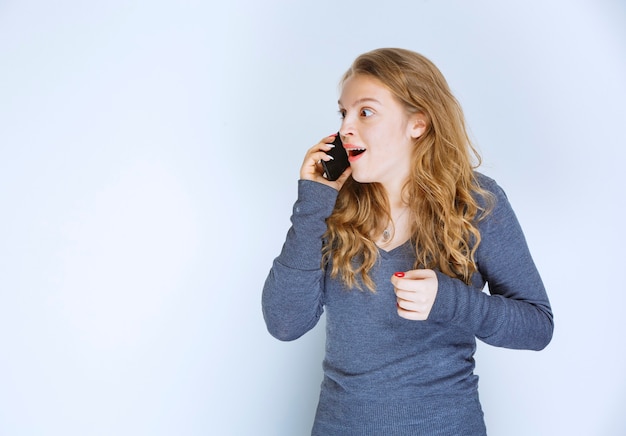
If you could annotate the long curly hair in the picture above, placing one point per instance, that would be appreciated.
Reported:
(443, 194)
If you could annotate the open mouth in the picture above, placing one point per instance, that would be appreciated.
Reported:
(354, 152)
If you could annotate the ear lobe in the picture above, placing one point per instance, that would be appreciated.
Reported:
(418, 125)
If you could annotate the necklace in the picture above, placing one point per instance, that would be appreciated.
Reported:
(386, 235)
(390, 229)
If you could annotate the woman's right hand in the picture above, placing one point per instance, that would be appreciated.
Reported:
(312, 168)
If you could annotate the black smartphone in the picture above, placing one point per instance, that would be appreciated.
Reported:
(335, 168)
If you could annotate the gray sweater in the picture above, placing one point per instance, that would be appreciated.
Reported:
(387, 375)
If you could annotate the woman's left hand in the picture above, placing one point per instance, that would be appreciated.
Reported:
(416, 291)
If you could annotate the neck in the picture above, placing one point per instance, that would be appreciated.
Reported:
(395, 196)
(398, 228)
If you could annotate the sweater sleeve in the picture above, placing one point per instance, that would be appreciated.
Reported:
(292, 299)
(516, 313)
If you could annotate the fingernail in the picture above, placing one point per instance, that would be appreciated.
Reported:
(399, 274)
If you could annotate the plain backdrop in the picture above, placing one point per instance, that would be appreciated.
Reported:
(149, 153)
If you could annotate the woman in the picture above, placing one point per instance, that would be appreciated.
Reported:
(396, 252)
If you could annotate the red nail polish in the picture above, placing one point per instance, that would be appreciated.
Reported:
(399, 274)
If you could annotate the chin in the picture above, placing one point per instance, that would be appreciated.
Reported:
(361, 178)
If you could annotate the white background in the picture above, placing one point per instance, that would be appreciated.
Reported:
(149, 152)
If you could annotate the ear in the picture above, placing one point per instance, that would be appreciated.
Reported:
(417, 124)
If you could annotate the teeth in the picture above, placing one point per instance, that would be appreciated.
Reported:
(353, 152)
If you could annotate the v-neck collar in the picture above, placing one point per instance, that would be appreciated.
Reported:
(393, 252)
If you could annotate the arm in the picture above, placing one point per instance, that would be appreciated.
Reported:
(517, 313)
(292, 298)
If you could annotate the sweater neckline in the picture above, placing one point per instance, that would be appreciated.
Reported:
(391, 253)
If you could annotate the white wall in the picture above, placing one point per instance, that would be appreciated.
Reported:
(149, 152)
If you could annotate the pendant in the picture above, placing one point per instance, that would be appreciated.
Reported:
(386, 235)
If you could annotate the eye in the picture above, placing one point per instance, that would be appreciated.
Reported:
(366, 112)
(342, 113)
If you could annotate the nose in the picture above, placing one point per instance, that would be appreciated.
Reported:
(347, 127)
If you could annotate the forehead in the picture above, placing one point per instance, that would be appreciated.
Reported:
(360, 87)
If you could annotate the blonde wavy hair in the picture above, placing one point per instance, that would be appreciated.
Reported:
(442, 190)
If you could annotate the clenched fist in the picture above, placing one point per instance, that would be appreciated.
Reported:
(416, 291)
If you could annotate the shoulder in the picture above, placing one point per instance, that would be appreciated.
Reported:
(487, 183)
(489, 193)
(497, 214)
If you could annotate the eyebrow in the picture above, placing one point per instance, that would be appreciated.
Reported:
(361, 101)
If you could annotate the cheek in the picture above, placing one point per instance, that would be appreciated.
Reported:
(377, 140)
